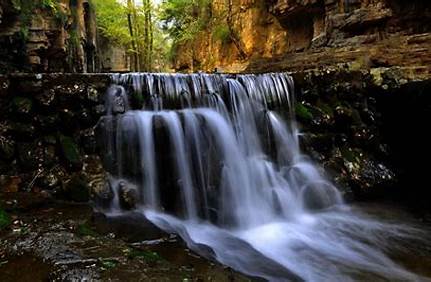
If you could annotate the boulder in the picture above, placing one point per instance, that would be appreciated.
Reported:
(77, 188)
(128, 195)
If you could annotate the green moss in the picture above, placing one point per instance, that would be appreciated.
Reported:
(348, 154)
(70, 150)
(302, 112)
(5, 220)
(22, 105)
(85, 229)
(325, 108)
(222, 32)
(148, 256)
(109, 264)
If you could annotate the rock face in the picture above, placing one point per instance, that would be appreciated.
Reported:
(47, 36)
(305, 34)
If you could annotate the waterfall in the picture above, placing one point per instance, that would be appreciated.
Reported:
(217, 160)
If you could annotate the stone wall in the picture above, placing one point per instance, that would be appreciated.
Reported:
(305, 34)
(41, 38)
(47, 143)
(367, 128)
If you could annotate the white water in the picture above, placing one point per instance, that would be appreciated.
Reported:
(266, 213)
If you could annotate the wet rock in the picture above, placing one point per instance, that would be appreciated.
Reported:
(30, 155)
(80, 273)
(30, 85)
(68, 119)
(49, 181)
(133, 227)
(77, 189)
(4, 86)
(316, 197)
(88, 141)
(117, 101)
(99, 181)
(85, 118)
(10, 184)
(128, 194)
(93, 94)
(46, 98)
(70, 151)
(22, 106)
(99, 110)
(47, 123)
(50, 155)
(7, 148)
(21, 130)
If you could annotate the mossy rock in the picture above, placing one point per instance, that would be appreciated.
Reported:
(4, 219)
(30, 155)
(7, 149)
(22, 105)
(303, 113)
(70, 151)
(85, 229)
(148, 256)
(77, 189)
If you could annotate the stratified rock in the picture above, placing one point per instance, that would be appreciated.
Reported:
(296, 35)
(57, 37)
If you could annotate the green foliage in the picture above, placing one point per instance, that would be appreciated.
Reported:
(70, 150)
(222, 32)
(112, 21)
(148, 256)
(184, 19)
(27, 8)
(303, 112)
(131, 26)
(109, 264)
(4, 219)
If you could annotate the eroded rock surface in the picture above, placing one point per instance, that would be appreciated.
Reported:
(298, 35)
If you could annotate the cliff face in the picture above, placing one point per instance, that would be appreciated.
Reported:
(302, 34)
(47, 36)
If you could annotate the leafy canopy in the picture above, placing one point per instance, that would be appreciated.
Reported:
(184, 19)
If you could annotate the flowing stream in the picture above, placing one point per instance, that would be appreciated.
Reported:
(217, 160)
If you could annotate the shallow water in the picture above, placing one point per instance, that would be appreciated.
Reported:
(363, 243)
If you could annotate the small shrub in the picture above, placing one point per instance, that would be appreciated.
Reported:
(222, 33)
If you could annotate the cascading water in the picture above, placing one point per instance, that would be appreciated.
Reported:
(209, 158)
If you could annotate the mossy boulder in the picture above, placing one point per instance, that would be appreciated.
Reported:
(303, 113)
